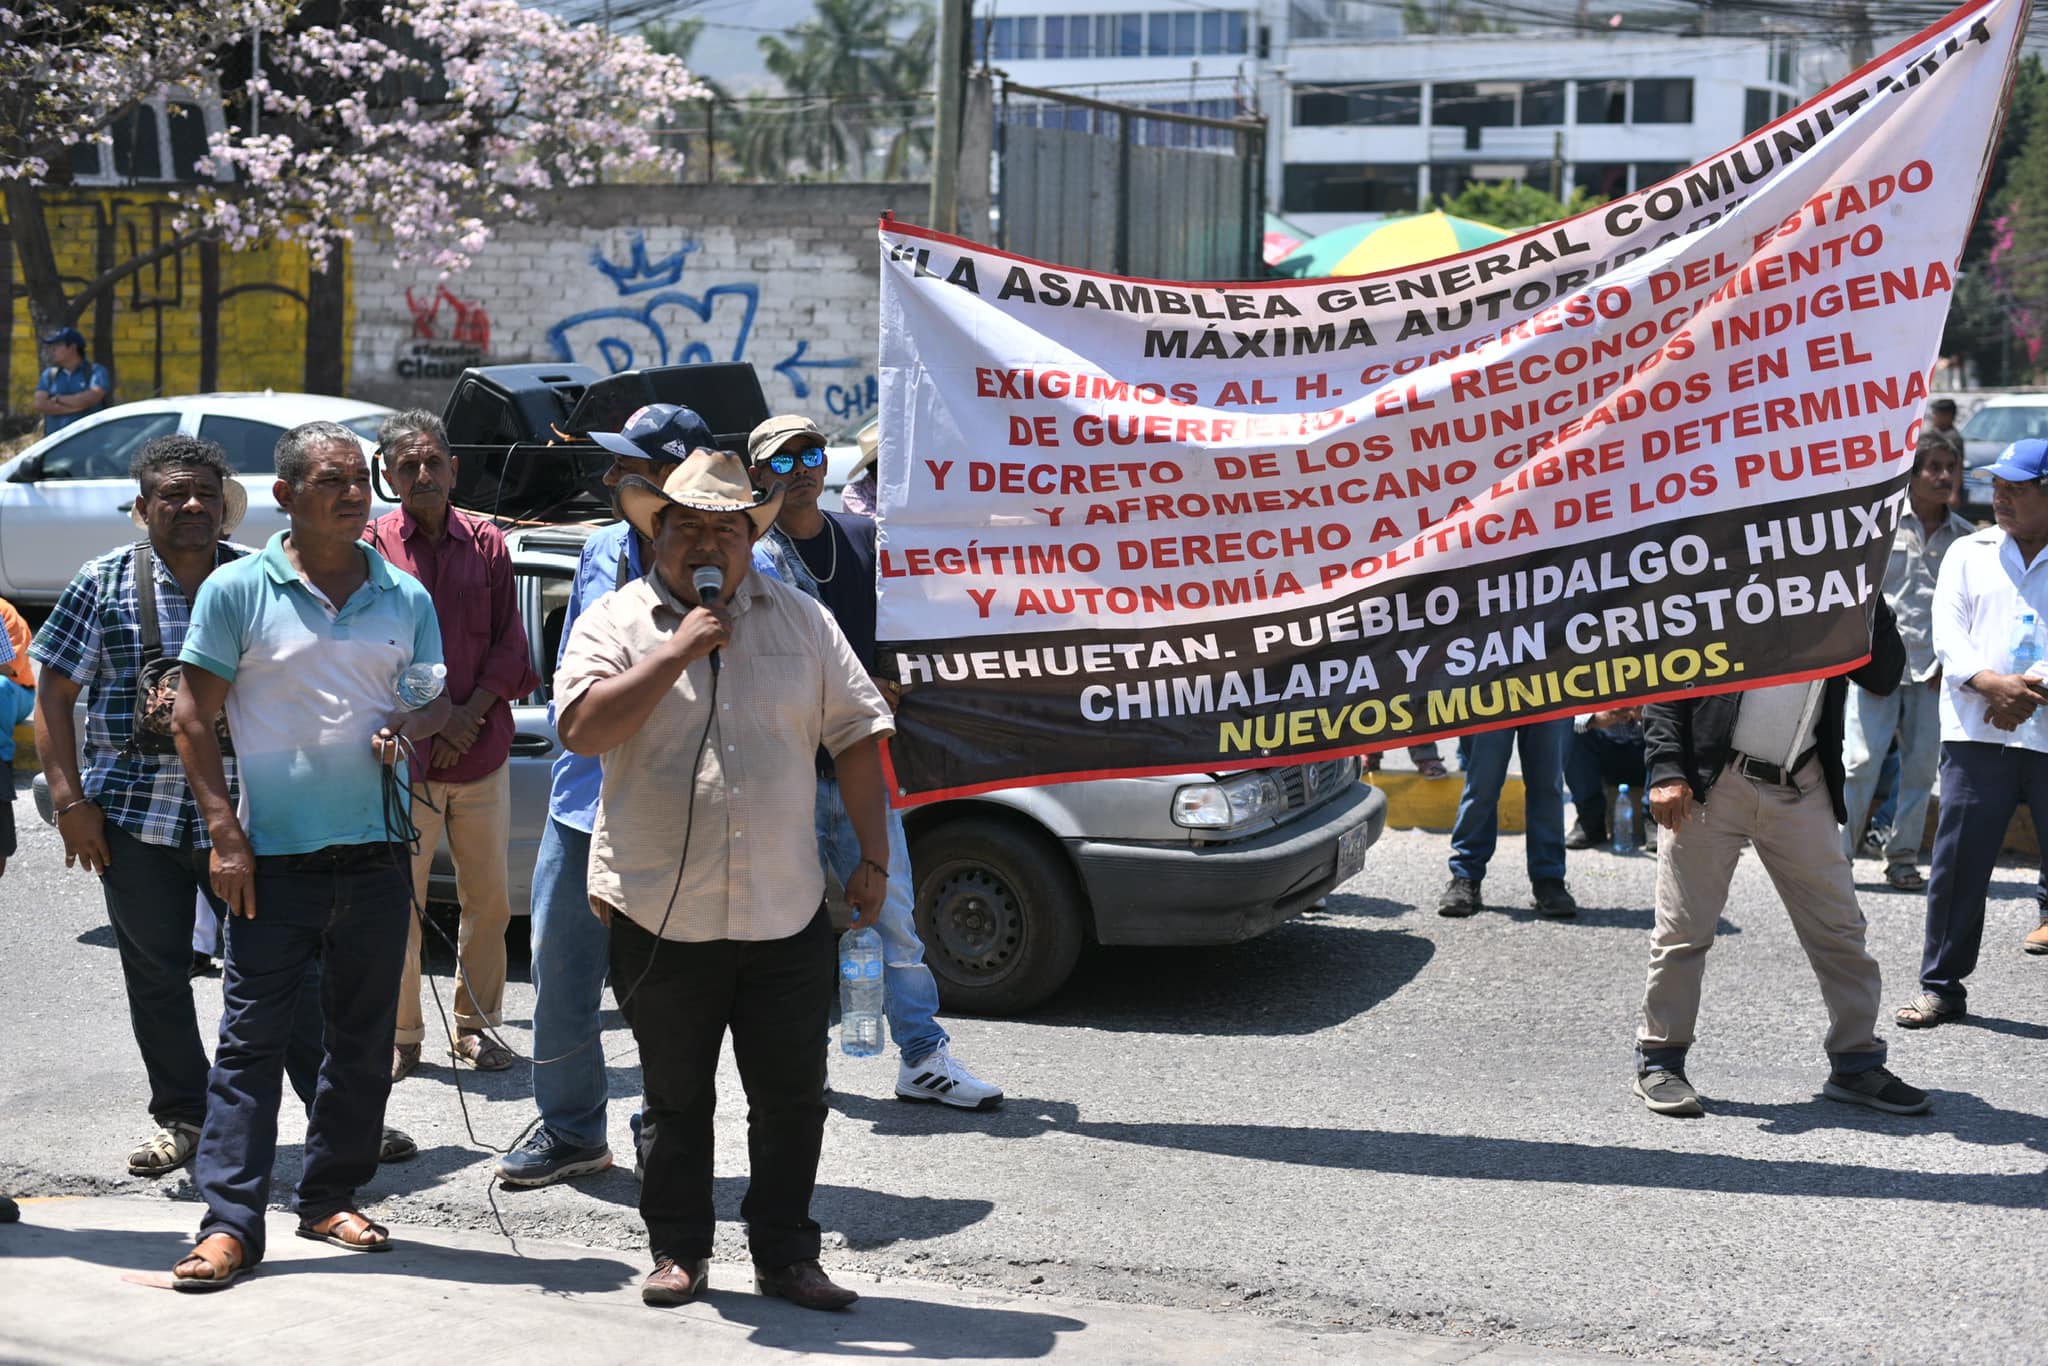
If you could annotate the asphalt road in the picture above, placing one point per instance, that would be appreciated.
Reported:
(1371, 1116)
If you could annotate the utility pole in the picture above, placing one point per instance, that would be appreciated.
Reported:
(950, 75)
(1857, 17)
(1557, 165)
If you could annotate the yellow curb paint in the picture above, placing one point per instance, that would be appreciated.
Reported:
(1418, 803)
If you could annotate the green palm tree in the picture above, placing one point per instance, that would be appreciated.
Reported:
(851, 83)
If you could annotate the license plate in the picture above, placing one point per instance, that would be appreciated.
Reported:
(1351, 847)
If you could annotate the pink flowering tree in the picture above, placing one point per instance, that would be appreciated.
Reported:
(426, 120)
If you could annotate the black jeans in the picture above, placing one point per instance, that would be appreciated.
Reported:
(775, 996)
(152, 892)
(1981, 785)
(345, 909)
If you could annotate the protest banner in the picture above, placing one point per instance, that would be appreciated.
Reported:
(1133, 526)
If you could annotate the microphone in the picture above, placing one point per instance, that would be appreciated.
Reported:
(709, 581)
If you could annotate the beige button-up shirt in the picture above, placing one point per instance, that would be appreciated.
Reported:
(790, 684)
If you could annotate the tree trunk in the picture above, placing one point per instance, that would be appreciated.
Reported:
(40, 280)
(326, 303)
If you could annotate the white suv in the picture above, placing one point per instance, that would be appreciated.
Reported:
(65, 499)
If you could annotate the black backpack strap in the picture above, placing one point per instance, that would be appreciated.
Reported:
(624, 575)
(145, 602)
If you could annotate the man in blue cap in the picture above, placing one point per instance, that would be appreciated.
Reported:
(1989, 605)
(571, 947)
(69, 386)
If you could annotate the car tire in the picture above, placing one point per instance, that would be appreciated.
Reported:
(1000, 913)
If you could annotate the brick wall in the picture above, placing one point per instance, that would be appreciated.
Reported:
(201, 318)
(784, 276)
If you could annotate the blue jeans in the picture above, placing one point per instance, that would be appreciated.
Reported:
(347, 913)
(151, 890)
(1911, 717)
(1981, 786)
(910, 992)
(571, 954)
(1594, 758)
(1477, 827)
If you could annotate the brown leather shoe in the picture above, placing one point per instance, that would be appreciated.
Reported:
(2037, 940)
(404, 1058)
(805, 1285)
(676, 1282)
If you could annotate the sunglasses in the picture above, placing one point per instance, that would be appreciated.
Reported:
(812, 456)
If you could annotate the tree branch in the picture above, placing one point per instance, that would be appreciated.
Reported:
(77, 303)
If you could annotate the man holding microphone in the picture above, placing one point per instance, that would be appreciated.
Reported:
(707, 691)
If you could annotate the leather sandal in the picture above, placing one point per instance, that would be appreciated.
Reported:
(219, 1256)
(482, 1052)
(1904, 877)
(349, 1230)
(170, 1148)
(1925, 1011)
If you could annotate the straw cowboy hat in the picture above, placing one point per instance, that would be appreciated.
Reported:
(235, 505)
(870, 441)
(708, 481)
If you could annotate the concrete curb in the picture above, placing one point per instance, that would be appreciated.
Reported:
(87, 1280)
(1418, 803)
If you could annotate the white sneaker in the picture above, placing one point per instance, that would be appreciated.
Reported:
(944, 1078)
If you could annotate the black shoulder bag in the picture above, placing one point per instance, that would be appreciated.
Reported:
(156, 686)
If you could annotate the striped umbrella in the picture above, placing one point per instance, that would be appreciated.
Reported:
(1282, 237)
(1387, 244)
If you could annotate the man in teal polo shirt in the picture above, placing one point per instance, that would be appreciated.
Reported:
(304, 645)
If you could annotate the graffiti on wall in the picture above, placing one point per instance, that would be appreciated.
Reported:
(191, 321)
(668, 324)
(443, 348)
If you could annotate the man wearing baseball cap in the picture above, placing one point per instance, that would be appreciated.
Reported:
(69, 387)
(830, 556)
(570, 947)
(1990, 604)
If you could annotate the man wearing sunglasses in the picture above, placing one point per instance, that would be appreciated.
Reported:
(831, 556)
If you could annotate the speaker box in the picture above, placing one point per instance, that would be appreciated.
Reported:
(727, 395)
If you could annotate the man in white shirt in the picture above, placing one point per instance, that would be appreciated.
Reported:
(1989, 605)
(1912, 714)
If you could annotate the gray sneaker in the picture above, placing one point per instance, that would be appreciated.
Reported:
(1667, 1092)
(1460, 898)
(1879, 1089)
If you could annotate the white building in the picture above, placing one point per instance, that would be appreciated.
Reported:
(1365, 119)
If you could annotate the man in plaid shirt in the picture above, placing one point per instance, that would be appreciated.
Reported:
(129, 817)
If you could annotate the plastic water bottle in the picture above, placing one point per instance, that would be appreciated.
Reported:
(860, 993)
(1621, 822)
(420, 684)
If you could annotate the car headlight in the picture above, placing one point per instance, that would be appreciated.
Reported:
(1242, 800)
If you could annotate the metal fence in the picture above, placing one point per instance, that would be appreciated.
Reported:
(841, 139)
(1151, 191)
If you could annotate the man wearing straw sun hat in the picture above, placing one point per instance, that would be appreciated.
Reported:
(707, 691)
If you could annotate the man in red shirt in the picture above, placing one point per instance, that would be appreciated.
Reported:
(467, 787)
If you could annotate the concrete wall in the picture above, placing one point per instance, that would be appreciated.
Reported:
(784, 276)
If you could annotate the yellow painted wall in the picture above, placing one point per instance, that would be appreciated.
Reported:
(156, 350)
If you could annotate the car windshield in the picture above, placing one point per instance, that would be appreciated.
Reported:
(365, 427)
(2006, 424)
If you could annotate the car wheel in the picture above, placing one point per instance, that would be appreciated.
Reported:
(999, 911)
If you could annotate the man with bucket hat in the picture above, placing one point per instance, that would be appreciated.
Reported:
(707, 690)
(1990, 606)
(570, 950)
(128, 815)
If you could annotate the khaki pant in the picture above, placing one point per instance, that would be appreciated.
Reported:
(478, 819)
(1795, 835)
